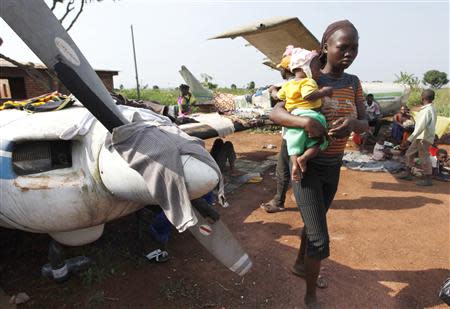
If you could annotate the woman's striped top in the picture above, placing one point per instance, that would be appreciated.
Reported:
(347, 92)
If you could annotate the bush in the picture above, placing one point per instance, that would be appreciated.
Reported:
(407, 79)
(415, 97)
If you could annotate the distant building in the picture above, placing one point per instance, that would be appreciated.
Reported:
(16, 84)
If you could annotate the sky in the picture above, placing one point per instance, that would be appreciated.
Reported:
(408, 36)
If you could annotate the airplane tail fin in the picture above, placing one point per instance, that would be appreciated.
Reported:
(200, 93)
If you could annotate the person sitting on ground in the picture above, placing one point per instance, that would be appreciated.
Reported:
(403, 122)
(373, 113)
(223, 152)
(421, 139)
(184, 101)
(440, 172)
(303, 98)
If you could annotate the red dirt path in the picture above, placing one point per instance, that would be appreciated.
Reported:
(389, 249)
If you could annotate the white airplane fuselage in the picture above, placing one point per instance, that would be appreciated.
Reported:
(70, 189)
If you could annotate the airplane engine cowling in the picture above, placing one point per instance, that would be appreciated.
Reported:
(79, 237)
(125, 183)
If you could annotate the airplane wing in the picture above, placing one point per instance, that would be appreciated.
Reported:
(271, 36)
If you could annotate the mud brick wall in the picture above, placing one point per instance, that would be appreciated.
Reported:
(34, 87)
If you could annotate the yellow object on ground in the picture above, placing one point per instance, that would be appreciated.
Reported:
(256, 179)
(442, 124)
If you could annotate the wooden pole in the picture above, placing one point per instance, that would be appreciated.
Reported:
(135, 65)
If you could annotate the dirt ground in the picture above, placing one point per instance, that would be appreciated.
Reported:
(389, 249)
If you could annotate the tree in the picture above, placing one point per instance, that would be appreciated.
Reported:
(408, 79)
(29, 68)
(233, 86)
(155, 87)
(70, 5)
(206, 78)
(207, 81)
(435, 79)
(251, 85)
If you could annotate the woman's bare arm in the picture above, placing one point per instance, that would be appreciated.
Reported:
(361, 124)
(281, 116)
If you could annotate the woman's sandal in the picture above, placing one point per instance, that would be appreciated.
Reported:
(271, 207)
(321, 280)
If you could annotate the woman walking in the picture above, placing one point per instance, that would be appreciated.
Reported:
(316, 191)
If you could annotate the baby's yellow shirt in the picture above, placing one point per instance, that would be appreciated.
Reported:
(294, 91)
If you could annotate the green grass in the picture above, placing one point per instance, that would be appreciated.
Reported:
(441, 102)
(237, 91)
(169, 96)
(163, 96)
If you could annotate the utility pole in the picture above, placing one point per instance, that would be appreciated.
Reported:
(135, 65)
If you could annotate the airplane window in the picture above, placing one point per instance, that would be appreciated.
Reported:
(40, 156)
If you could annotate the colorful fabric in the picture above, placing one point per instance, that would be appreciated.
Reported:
(223, 102)
(284, 63)
(301, 59)
(433, 150)
(286, 58)
(297, 139)
(184, 104)
(47, 102)
(347, 92)
(294, 91)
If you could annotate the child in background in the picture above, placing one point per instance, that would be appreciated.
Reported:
(440, 172)
(184, 101)
(421, 140)
(303, 98)
(434, 147)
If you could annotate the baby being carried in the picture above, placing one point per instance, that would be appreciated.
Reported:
(303, 98)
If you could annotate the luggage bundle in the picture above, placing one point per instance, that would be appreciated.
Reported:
(47, 102)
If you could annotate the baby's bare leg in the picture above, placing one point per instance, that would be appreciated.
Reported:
(306, 156)
(296, 174)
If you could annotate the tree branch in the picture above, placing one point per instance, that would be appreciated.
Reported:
(76, 17)
(68, 10)
(54, 4)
